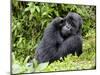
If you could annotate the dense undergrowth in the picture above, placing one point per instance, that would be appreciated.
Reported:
(29, 19)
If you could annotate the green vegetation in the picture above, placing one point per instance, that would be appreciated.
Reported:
(29, 19)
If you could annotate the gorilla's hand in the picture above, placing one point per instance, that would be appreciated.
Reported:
(57, 22)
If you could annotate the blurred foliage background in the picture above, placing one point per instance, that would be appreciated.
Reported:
(29, 19)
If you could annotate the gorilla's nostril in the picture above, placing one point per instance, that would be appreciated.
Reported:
(68, 27)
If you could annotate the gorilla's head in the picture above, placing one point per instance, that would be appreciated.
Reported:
(71, 24)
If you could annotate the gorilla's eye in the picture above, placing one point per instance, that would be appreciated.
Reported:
(73, 25)
(71, 18)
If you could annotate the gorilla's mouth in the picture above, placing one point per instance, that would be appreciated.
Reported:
(65, 33)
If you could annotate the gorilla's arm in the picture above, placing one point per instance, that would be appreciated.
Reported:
(47, 49)
(71, 45)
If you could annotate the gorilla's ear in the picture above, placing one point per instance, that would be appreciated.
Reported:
(80, 26)
(81, 21)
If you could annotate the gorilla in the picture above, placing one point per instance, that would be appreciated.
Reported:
(60, 38)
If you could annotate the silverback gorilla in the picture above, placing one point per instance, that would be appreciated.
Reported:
(60, 38)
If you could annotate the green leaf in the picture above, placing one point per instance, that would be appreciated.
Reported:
(32, 10)
(45, 13)
(30, 4)
(37, 8)
(26, 9)
(26, 60)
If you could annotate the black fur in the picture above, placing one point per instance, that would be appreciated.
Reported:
(61, 37)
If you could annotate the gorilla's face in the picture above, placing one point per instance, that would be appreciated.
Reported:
(71, 24)
(66, 29)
